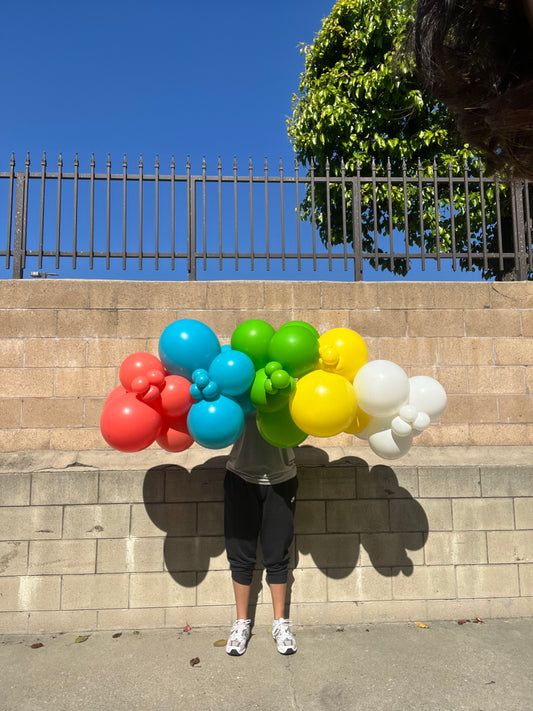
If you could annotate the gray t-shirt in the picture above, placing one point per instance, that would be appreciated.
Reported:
(255, 460)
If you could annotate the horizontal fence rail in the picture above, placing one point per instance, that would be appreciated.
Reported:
(262, 223)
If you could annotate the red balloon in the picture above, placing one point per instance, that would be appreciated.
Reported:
(175, 438)
(129, 425)
(117, 392)
(176, 399)
(138, 364)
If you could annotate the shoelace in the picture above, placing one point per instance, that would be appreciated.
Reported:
(238, 629)
(282, 629)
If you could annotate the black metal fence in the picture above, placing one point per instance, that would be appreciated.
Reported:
(262, 224)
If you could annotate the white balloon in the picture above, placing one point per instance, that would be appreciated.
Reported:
(427, 395)
(421, 423)
(408, 413)
(389, 446)
(376, 424)
(382, 387)
(400, 427)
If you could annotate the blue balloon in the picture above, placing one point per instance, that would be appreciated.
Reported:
(244, 401)
(233, 372)
(215, 424)
(186, 345)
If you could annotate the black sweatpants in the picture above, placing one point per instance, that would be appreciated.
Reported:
(253, 512)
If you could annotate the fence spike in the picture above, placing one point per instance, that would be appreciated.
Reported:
(156, 164)
(76, 161)
(60, 161)
(172, 163)
(219, 163)
(234, 162)
(27, 163)
(266, 165)
(108, 162)
(92, 163)
(141, 164)
(250, 164)
(43, 160)
(188, 163)
(12, 160)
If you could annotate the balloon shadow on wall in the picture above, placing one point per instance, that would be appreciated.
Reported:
(346, 509)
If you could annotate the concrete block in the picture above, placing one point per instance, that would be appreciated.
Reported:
(507, 481)
(525, 571)
(64, 487)
(161, 590)
(516, 408)
(487, 322)
(355, 297)
(457, 610)
(509, 607)
(327, 550)
(130, 555)
(310, 585)
(72, 440)
(109, 352)
(13, 557)
(12, 352)
(325, 319)
(14, 489)
(384, 482)
(83, 323)
(195, 553)
(420, 515)
(34, 382)
(201, 484)
(131, 486)
(510, 546)
(60, 557)
(24, 440)
(524, 512)
(357, 516)
(24, 323)
(406, 295)
(278, 295)
(97, 521)
(28, 593)
(456, 547)
(453, 378)
(471, 408)
(482, 514)
(393, 610)
(154, 519)
(82, 382)
(211, 518)
(58, 621)
(144, 618)
(496, 379)
(408, 351)
(330, 613)
(215, 589)
(360, 584)
(513, 351)
(204, 616)
(55, 353)
(221, 295)
(487, 581)
(472, 351)
(511, 295)
(130, 323)
(435, 323)
(94, 592)
(425, 584)
(310, 517)
(449, 482)
(493, 435)
(10, 413)
(26, 523)
(326, 483)
(14, 622)
(392, 324)
(306, 295)
(42, 294)
(48, 412)
(398, 550)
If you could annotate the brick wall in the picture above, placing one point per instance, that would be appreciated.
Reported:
(90, 538)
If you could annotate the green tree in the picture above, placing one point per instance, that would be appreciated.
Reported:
(360, 109)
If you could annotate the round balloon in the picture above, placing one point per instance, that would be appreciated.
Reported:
(359, 422)
(233, 372)
(217, 423)
(387, 445)
(176, 438)
(278, 428)
(310, 328)
(323, 404)
(129, 425)
(138, 364)
(382, 387)
(176, 399)
(252, 338)
(296, 348)
(116, 392)
(427, 395)
(342, 351)
(186, 345)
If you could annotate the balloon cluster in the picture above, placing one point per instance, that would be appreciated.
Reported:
(297, 382)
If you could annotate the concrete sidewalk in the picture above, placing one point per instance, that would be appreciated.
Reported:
(385, 667)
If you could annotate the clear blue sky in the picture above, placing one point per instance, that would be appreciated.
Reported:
(166, 76)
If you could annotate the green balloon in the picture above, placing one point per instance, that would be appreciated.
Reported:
(252, 338)
(304, 324)
(278, 428)
(263, 400)
(296, 347)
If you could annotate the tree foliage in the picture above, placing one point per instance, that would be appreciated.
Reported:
(360, 108)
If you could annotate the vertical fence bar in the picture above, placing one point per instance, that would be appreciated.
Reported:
(519, 231)
(282, 215)
(391, 221)
(204, 214)
(235, 213)
(405, 213)
(18, 237)
(375, 206)
(91, 215)
(191, 223)
(172, 213)
(452, 216)
(483, 219)
(141, 206)
(267, 233)
(529, 228)
(251, 197)
(156, 208)
(467, 208)
(75, 213)
(357, 226)
(421, 208)
(108, 212)
(313, 213)
(344, 226)
(10, 209)
(41, 213)
(58, 217)
(298, 218)
(124, 210)
(437, 212)
(25, 210)
(219, 191)
(328, 214)
(498, 221)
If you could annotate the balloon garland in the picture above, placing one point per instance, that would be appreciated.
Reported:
(297, 382)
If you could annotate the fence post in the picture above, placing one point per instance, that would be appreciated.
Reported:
(19, 236)
(191, 224)
(519, 229)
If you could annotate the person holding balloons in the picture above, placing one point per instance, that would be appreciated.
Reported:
(259, 503)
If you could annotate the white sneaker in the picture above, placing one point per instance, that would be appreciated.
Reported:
(284, 637)
(238, 638)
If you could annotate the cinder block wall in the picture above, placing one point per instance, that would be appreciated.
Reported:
(93, 539)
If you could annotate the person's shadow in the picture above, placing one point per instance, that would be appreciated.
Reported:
(348, 508)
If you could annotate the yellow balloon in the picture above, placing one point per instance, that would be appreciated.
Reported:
(323, 404)
(342, 351)
(359, 422)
